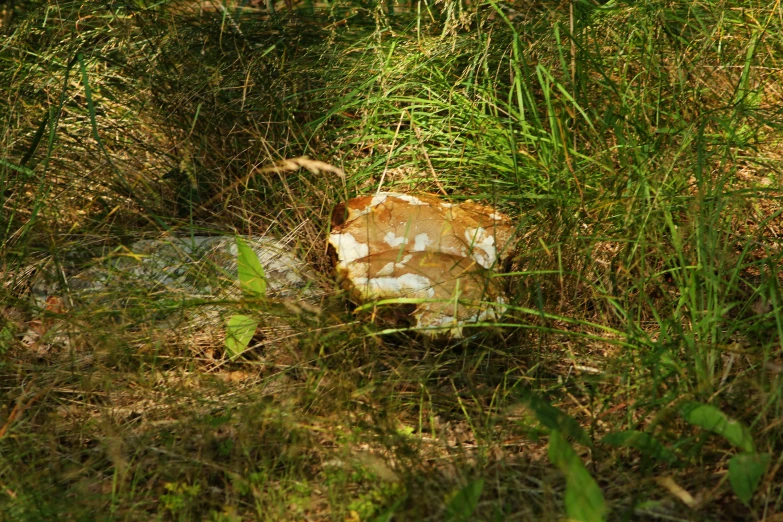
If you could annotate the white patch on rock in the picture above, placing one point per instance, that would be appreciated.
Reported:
(490, 313)
(403, 261)
(412, 200)
(374, 202)
(393, 240)
(387, 270)
(437, 322)
(408, 285)
(480, 240)
(379, 198)
(350, 249)
(421, 241)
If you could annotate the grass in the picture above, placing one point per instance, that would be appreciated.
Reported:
(636, 145)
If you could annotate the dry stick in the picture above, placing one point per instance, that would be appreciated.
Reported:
(571, 167)
(288, 165)
(391, 151)
(573, 86)
(14, 413)
(230, 19)
(19, 408)
(573, 61)
(427, 157)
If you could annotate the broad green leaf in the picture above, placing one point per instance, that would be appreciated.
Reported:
(745, 472)
(584, 500)
(252, 279)
(555, 419)
(239, 331)
(712, 419)
(464, 502)
(639, 440)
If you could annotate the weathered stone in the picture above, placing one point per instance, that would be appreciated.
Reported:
(189, 267)
(439, 254)
(201, 265)
(183, 286)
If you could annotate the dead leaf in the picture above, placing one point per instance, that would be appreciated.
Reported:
(677, 491)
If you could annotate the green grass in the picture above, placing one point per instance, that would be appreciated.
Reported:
(636, 145)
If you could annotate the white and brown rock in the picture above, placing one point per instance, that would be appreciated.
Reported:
(438, 254)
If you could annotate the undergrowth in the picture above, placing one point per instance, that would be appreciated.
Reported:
(635, 145)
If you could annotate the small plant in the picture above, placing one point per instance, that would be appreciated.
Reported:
(745, 468)
(241, 328)
(179, 499)
(464, 502)
(584, 501)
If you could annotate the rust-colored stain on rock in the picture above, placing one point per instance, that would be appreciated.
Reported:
(440, 254)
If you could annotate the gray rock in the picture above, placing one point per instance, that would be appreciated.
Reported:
(197, 267)
(183, 288)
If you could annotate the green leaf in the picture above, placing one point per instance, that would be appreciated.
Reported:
(583, 498)
(555, 419)
(639, 440)
(239, 331)
(252, 279)
(745, 472)
(464, 502)
(712, 419)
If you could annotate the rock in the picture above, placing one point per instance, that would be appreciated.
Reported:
(440, 255)
(202, 266)
(191, 267)
(182, 285)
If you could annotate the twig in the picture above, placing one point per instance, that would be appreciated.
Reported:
(288, 165)
(427, 157)
(391, 151)
(17, 411)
